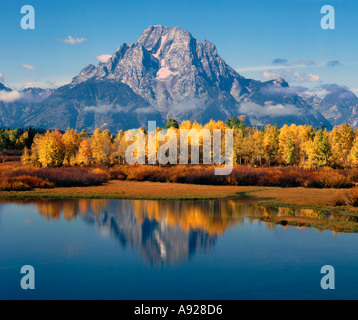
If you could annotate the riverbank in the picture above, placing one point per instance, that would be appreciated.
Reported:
(320, 199)
(268, 196)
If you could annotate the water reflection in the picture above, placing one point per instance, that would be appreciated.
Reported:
(298, 212)
(165, 231)
(162, 231)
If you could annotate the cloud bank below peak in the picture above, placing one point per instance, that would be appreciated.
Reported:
(10, 96)
(291, 76)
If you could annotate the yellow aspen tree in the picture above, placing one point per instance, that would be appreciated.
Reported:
(320, 150)
(238, 146)
(354, 153)
(257, 141)
(341, 138)
(51, 151)
(71, 140)
(101, 146)
(305, 137)
(84, 154)
(270, 142)
(282, 140)
(26, 158)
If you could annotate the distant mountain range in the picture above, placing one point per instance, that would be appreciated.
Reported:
(339, 106)
(168, 74)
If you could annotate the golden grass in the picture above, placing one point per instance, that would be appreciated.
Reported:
(155, 190)
(299, 195)
(136, 190)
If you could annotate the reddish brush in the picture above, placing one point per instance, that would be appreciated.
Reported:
(23, 183)
(64, 176)
(240, 176)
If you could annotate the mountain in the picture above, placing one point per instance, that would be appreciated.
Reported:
(178, 75)
(274, 102)
(166, 74)
(11, 108)
(93, 104)
(339, 106)
(36, 94)
(3, 88)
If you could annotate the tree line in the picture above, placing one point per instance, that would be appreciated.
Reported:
(291, 145)
(17, 139)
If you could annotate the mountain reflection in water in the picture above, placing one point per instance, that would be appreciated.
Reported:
(163, 231)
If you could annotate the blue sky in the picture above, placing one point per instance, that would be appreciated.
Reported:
(249, 36)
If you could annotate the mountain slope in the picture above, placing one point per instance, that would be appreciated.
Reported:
(167, 73)
(186, 79)
(93, 104)
(339, 106)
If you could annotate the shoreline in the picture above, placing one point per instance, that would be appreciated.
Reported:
(298, 197)
(267, 197)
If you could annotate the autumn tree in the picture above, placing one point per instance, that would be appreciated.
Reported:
(289, 151)
(354, 152)
(239, 147)
(342, 138)
(101, 146)
(50, 149)
(84, 154)
(320, 149)
(119, 147)
(305, 138)
(270, 142)
(26, 158)
(71, 141)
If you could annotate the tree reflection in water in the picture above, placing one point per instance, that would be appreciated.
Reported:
(165, 231)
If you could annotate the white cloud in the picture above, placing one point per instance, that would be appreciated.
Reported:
(258, 68)
(2, 78)
(292, 76)
(103, 57)
(256, 110)
(145, 110)
(289, 91)
(106, 108)
(278, 64)
(28, 67)
(270, 75)
(30, 85)
(185, 105)
(10, 96)
(306, 77)
(72, 40)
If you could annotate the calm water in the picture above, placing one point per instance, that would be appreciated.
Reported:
(135, 249)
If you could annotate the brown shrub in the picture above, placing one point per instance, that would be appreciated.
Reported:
(13, 184)
(328, 179)
(193, 174)
(105, 175)
(353, 197)
(35, 182)
(10, 155)
(63, 176)
(118, 173)
(240, 176)
(23, 183)
(338, 200)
